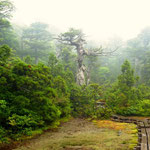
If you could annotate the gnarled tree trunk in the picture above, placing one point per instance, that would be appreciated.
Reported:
(80, 78)
(76, 38)
(81, 75)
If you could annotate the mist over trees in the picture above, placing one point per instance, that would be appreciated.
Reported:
(45, 78)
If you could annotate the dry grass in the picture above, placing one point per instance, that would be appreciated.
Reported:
(79, 134)
(126, 127)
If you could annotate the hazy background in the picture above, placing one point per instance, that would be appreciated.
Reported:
(99, 19)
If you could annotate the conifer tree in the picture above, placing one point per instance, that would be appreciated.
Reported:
(126, 80)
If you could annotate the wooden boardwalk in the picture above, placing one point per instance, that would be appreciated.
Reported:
(143, 131)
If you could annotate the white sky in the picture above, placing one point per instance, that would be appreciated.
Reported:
(99, 19)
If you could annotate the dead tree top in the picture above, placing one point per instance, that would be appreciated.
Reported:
(76, 38)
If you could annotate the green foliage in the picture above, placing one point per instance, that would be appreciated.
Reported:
(31, 97)
(36, 40)
(3, 135)
(52, 61)
(5, 52)
(146, 70)
(145, 91)
(7, 34)
(124, 97)
(6, 7)
(140, 109)
(104, 75)
(102, 113)
(68, 58)
(19, 123)
(144, 108)
(28, 59)
(72, 35)
(84, 104)
(126, 80)
(34, 96)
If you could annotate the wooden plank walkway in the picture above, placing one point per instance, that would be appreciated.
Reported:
(143, 131)
(144, 139)
(148, 134)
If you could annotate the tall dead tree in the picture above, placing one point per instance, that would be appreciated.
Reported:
(77, 39)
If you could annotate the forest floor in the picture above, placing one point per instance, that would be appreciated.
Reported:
(80, 134)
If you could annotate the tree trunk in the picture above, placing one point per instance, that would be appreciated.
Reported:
(81, 68)
(81, 76)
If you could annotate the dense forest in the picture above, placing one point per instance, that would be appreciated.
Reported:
(46, 78)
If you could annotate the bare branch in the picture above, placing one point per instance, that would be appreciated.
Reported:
(101, 52)
(67, 41)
